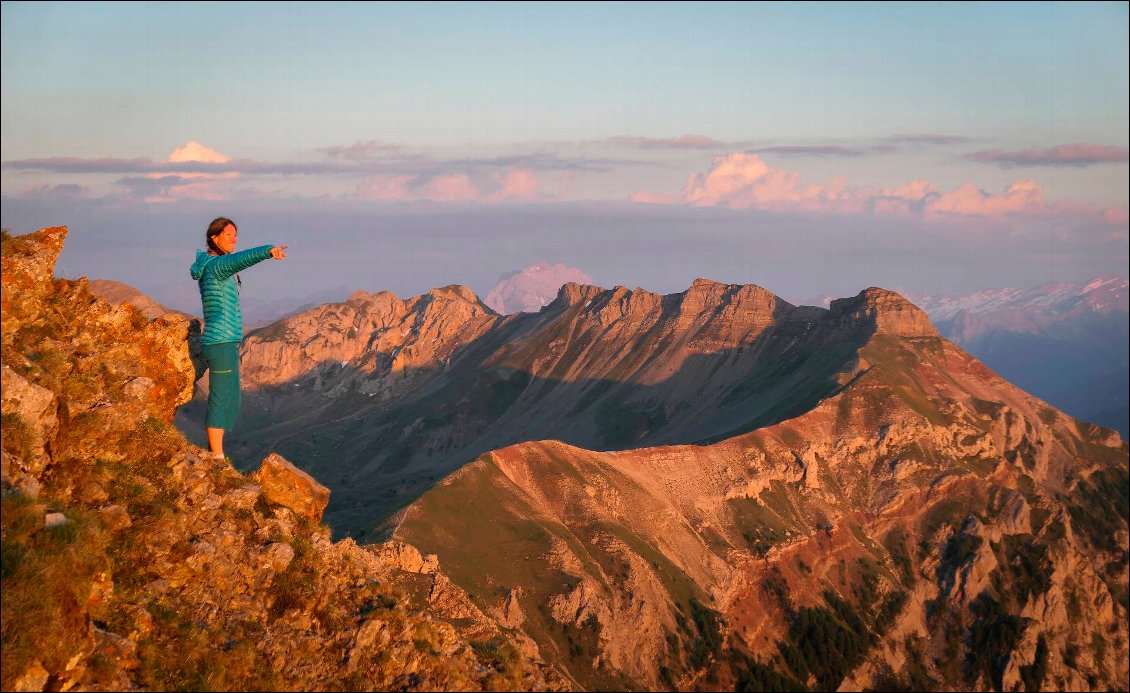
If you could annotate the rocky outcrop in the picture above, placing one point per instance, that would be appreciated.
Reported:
(133, 560)
(290, 487)
(887, 311)
(376, 344)
(30, 412)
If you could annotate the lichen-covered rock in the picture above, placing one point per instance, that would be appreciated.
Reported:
(289, 486)
(34, 411)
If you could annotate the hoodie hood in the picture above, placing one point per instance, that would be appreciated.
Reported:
(202, 260)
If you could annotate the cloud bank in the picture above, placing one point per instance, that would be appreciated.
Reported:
(743, 180)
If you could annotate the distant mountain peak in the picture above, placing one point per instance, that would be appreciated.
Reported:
(530, 289)
(457, 292)
(890, 312)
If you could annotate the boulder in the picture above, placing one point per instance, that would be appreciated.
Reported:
(34, 679)
(290, 487)
(37, 410)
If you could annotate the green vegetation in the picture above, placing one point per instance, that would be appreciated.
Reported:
(760, 527)
(779, 499)
(15, 245)
(1024, 570)
(879, 609)
(490, 539)
(895, 542)
(682, 589)
(1100, 508)
(826, 643)
(775, 585)
(504, 658)
(752, 675)
(959, 549)
(993, 636)
(16, 436)
(895, 362)
(707, 635)
(49, 577)
(916, 676)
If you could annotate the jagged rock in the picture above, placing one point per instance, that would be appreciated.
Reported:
(116, 518)
(34, 679)
(36, 408)
(395, 554)
(887, 311)
(372, 633)
(243, 498)
(28, 273)
(279, 556)
(510, 614)
(121, 652)
(92, 492)
(289, 486)
(138, 388)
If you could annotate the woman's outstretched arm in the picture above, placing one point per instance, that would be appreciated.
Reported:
(226, 265)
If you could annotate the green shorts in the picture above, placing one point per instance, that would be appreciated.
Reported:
(223, 384)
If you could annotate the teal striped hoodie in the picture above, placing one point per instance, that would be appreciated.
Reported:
(223, 320)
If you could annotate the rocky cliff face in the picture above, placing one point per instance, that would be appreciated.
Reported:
(927, 527)
(132, 560)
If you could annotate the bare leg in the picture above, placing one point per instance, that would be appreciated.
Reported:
(216, 441)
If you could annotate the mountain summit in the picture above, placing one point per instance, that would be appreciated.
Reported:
(529, 289)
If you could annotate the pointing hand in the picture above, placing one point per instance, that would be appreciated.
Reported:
(278, 252)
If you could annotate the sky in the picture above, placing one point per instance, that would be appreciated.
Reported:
(813, 149)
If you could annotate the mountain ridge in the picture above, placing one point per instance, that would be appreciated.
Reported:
(447, 379)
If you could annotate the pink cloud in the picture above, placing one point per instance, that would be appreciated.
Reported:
(194, 151)
(742, 180)
(969, 200)
(455, 187)
(915, 190)
(654, 198)
(191, 185)
(1116, 215)
(517, 185)
(1080, 154)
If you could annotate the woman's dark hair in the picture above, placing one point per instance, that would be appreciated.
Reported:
(215, 229)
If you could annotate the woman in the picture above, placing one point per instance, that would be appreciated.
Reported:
(216, 270)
